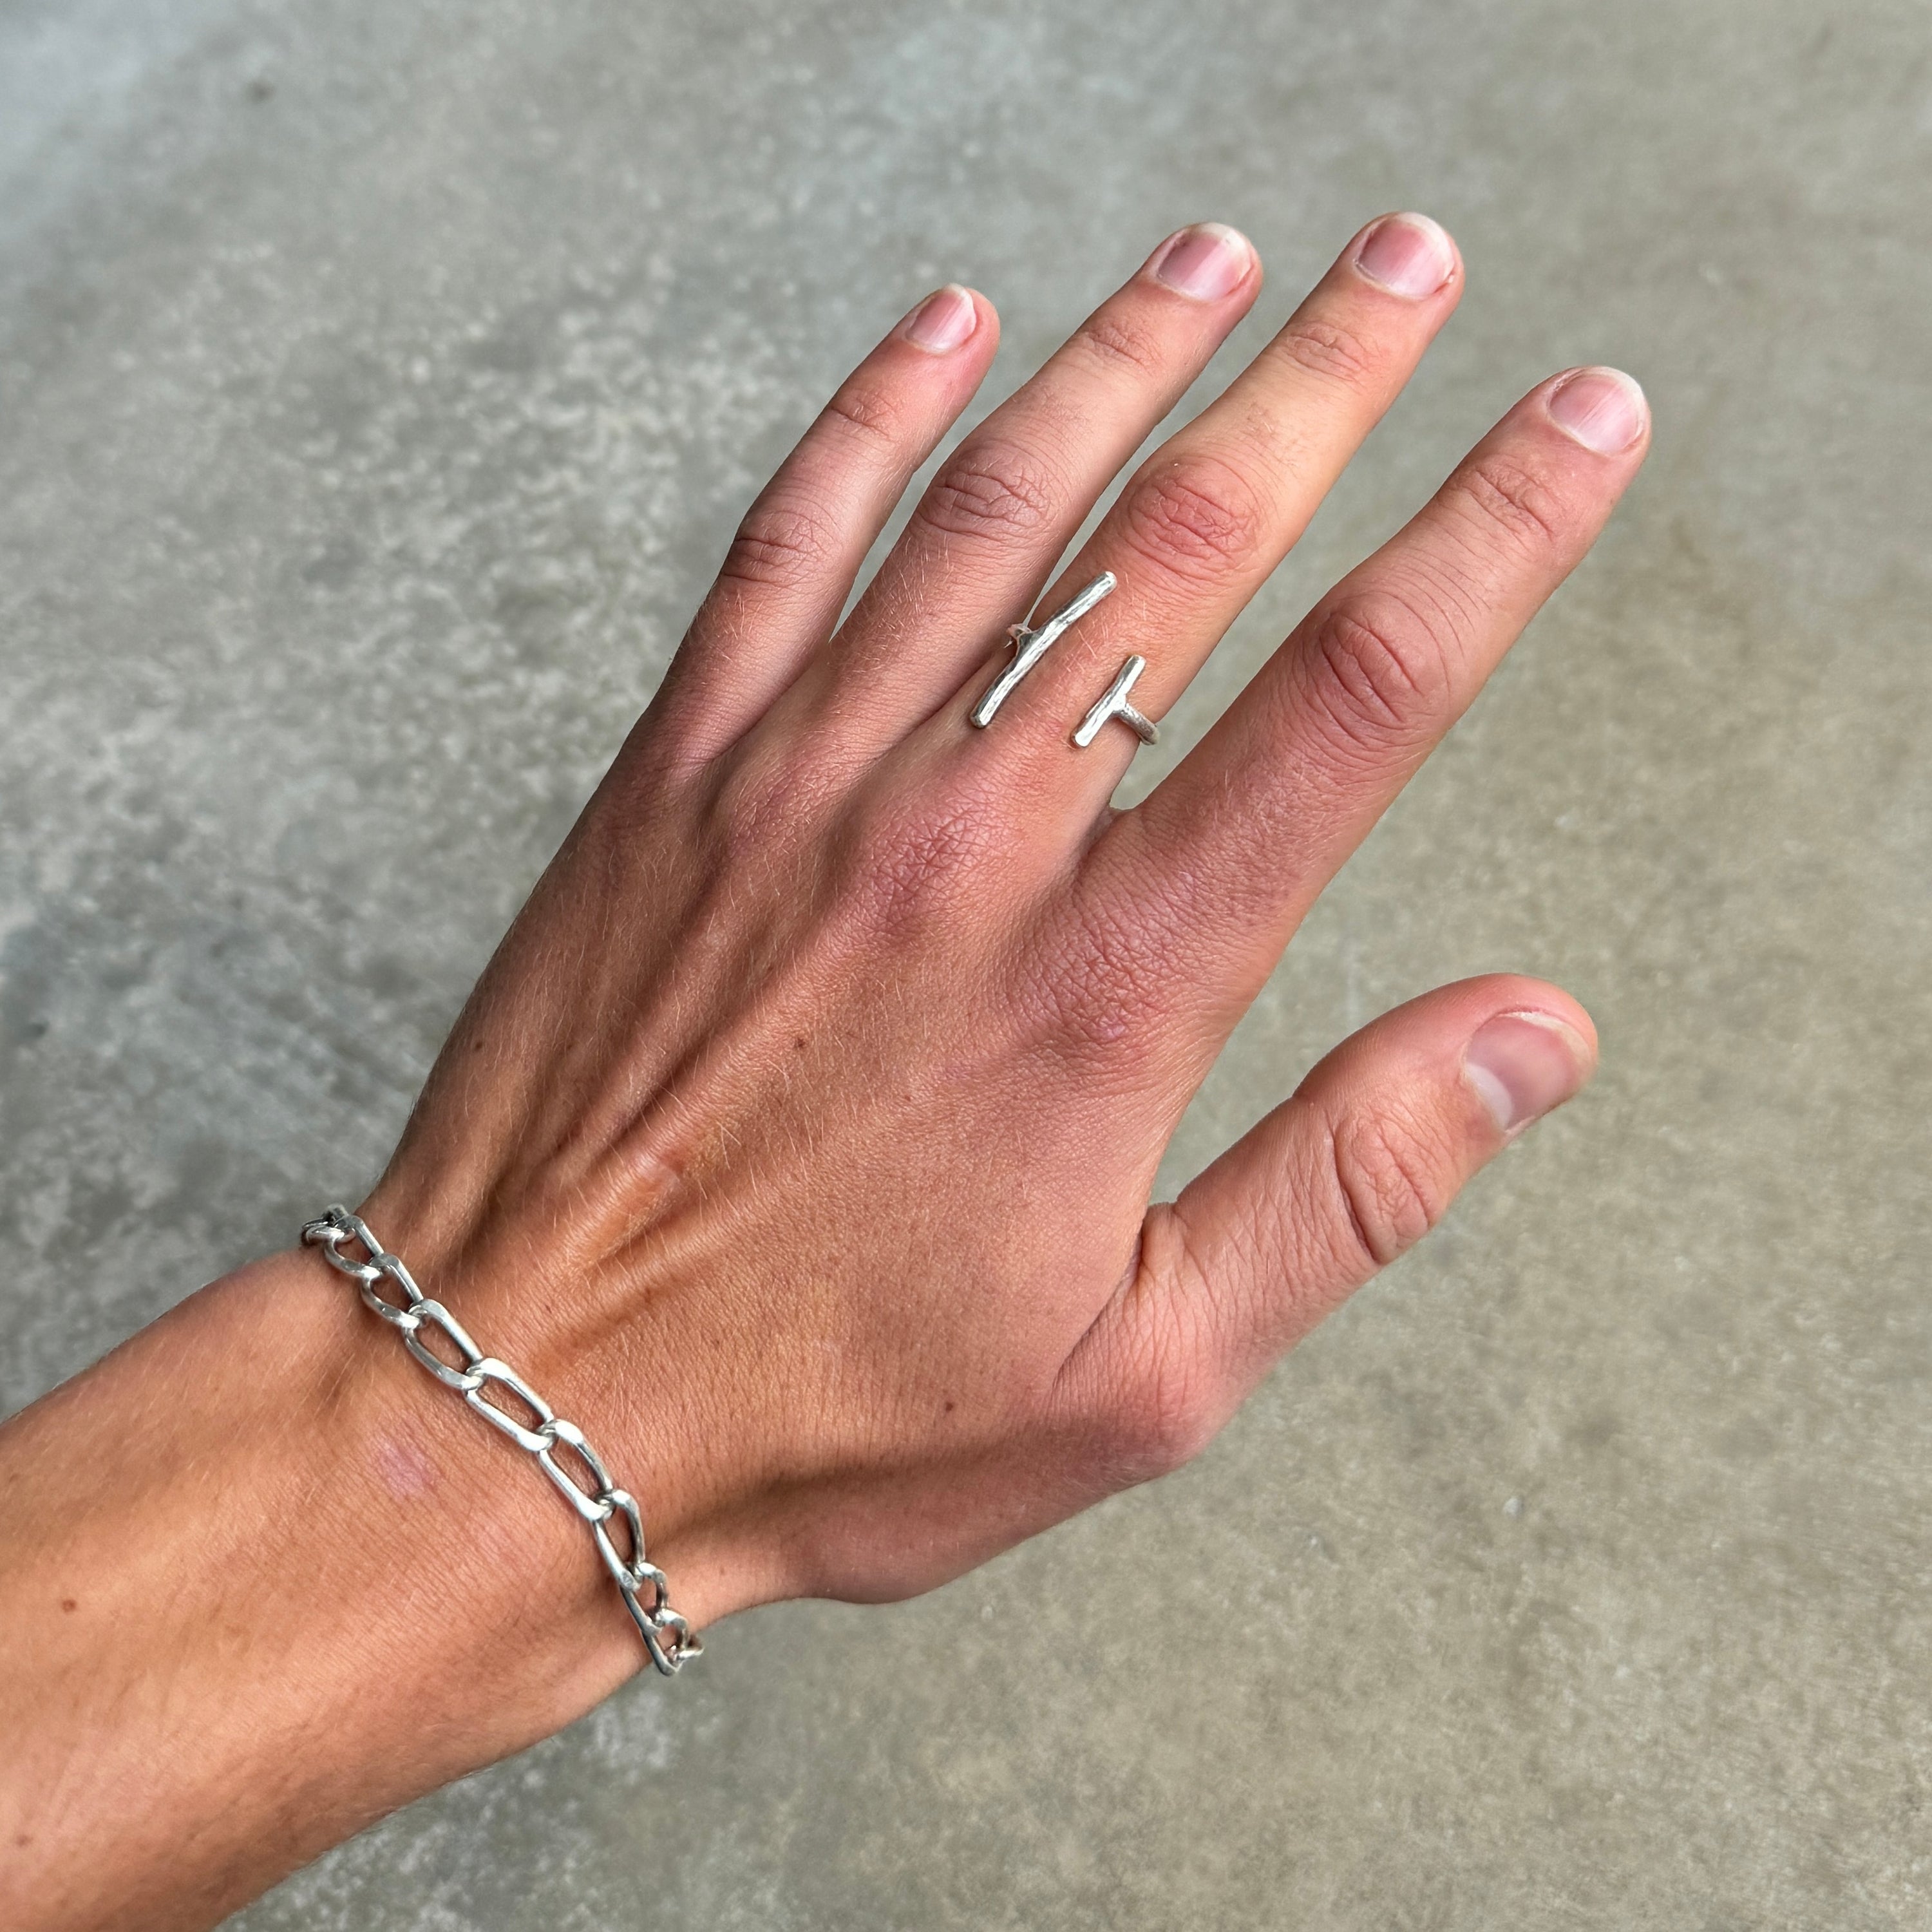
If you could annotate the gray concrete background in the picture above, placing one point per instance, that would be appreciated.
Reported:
(378, 385)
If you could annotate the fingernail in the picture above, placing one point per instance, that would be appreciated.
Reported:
(1522, 1064)
(1603, 409)
(1408, 253)
(942, 321)
(1206, 262)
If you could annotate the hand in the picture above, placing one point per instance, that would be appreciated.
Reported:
(797, 1143)
(800, 1137)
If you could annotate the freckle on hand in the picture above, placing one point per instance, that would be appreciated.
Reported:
(69, 1603)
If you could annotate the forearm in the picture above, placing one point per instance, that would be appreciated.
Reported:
(260, 1587)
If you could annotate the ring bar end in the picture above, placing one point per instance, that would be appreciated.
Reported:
(1113, 704)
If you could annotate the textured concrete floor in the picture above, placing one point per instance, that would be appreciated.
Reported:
(378, 384)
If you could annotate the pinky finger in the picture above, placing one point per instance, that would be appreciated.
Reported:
(793, 563)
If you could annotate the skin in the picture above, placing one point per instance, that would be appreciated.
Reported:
(798, 1142)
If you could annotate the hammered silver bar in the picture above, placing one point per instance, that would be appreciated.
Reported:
(1029, 646)
(1113, 704)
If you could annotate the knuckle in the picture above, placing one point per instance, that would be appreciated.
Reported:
(780, 546)
(871, 412)
(1120, 343)
(1381, 676)
(1165, 1425)
(760, 806)
(1327, 349)
(918, 861)
(1198, 518)
(655, 776)
(1387, 1186)
(995, 491)
(1509, 500)
(1095, 990)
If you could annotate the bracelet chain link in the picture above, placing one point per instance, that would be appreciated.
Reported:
(669, 1640)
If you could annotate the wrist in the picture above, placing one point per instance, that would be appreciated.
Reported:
(447, 1541)
(616, 1344)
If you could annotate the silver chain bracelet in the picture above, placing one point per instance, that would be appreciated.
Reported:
(669, 1640)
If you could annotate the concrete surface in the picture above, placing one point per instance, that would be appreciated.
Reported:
(378, 385)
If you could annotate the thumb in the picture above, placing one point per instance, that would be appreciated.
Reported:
(1322, 1194)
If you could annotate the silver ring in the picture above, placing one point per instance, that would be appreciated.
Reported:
(1113, 704)
(1029, 646)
